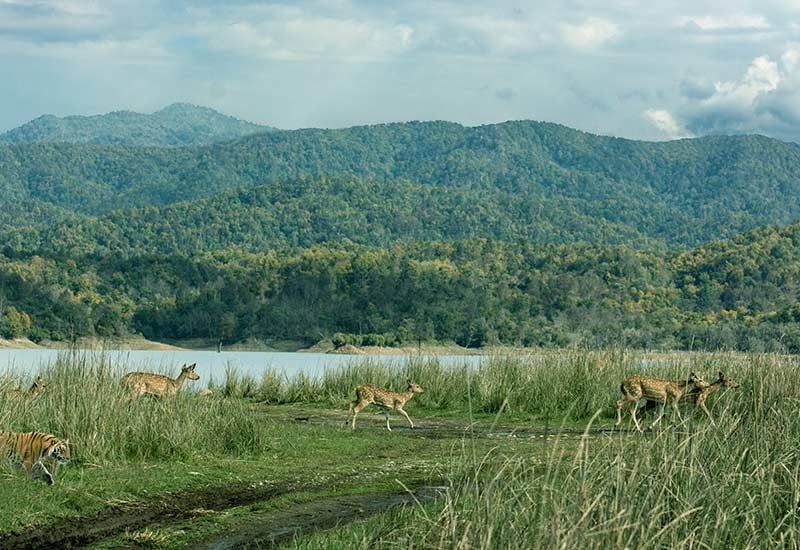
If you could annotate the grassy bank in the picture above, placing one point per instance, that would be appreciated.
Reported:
(734, 485)
(546, 386)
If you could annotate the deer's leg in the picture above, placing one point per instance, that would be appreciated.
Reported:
(386, 414)
(677, 409)
(633, 415)
(620, 404)
(357, 409)
(701, 402)
(660, 415)
(626, 398)
(404, 413)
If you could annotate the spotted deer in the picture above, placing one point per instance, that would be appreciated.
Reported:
(698, 397)
(367, 394)
(36, 388)
(666, 392)
(158, 385)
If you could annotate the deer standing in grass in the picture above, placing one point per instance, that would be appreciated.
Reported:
(158, 385)
(666, 392)
(367, 394)
(36, 388)
(698, 397)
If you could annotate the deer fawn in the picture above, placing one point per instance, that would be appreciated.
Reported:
(667, 392)
(387, 400)
(140, 383)
(36, 388)
(698, 397)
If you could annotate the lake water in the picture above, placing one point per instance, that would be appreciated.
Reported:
(211, 364)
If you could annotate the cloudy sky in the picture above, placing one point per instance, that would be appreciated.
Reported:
(638, 69)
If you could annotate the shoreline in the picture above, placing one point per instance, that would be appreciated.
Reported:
(91, 344)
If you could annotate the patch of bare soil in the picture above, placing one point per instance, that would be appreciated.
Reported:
(111, 343)
(17, 343)
(273, 527)
(437, 428)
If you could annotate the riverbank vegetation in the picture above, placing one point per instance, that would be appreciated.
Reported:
(523, 445)
(739, 294)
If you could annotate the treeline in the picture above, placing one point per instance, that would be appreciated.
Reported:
(306, 212)
(542, 182)
(738, 294)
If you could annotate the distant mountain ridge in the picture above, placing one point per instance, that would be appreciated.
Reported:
(177, 125)
(389, 183)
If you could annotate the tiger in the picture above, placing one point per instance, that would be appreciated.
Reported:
(28, 451)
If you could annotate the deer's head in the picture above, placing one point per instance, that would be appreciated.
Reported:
(188, 370)
(727, 381)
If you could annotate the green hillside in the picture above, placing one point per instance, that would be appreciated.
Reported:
(541, 182)
(179, 124)
(735, 294)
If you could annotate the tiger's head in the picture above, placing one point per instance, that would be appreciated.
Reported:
(59, 449)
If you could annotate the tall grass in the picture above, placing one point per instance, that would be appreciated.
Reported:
(736, 485)
(548, 385)
(85, 402)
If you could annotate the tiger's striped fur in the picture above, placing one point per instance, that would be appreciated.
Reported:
(30, 450)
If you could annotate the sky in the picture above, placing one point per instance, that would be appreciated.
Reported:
(636, 69)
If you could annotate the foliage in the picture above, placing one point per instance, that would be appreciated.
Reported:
(738, 294)
(382, 184)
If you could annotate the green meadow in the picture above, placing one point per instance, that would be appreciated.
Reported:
(521, 451)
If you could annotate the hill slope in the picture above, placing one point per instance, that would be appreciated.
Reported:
(179, 124)
(537, 181)
(735, 294)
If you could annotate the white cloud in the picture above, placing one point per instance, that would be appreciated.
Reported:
(765, 99)
(665, 123)
(504, 35)
(291, 34)
(725, 22)
(590, 34)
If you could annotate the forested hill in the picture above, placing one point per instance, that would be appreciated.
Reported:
(179, 124)
(539, 181)
(736, 294)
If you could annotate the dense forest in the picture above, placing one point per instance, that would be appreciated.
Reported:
(178, 124)
(735, 294)
(542, 182)
(520, 233)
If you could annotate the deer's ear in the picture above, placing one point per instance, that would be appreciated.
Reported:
(721, 374)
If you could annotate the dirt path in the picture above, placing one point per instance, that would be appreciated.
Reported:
(81, 532)
(270, 528)
(437, 428)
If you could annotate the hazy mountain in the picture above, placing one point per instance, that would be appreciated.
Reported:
(179, 124)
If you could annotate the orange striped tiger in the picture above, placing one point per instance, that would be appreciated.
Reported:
(28, 451)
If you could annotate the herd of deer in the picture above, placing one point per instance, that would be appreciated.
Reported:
(653, 390)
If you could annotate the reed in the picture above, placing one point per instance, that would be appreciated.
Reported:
(86, 402)
(736, 485)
